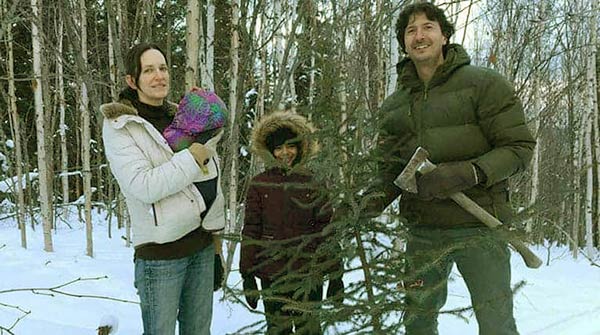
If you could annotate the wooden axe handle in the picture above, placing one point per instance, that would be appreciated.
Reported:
(531, 260)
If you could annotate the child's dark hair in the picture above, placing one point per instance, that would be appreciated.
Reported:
(133, 63)
(432, 12)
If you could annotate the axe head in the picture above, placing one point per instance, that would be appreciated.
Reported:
(407, 179)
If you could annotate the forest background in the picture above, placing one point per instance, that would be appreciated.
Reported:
(332, 61)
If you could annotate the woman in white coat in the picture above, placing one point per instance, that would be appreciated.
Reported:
(171, 219)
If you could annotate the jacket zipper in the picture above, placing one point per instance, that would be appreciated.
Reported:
(154, 214)
(420, 117)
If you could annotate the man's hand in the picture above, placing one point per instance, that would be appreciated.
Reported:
(250, 290)
(202, 155)
(447, 179)
(335, 290)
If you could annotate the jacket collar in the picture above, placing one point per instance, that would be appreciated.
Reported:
(455, 57)
(123, 111)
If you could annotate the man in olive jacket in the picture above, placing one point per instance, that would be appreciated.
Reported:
(472, 124)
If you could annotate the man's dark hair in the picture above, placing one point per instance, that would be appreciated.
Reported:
(432, 12)
(133, 63)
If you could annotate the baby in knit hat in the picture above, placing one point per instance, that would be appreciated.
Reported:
(200, 117)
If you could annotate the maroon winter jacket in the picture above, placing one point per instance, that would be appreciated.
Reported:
(283, 226)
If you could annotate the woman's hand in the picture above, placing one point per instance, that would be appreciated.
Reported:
(202, 155)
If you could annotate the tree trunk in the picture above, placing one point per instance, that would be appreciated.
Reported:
(112, 67)
(16, 134)
(64, 154)
(234, 224)
(592, 102)
(45, 197)
(192, 37)
(85, 133)
(208, 78)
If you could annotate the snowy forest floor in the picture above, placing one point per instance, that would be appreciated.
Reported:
(562, 297)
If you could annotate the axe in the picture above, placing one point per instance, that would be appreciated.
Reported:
(407, 181)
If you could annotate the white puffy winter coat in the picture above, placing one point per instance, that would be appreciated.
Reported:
(163, 203)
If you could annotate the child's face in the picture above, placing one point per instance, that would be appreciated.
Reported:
(286, 153)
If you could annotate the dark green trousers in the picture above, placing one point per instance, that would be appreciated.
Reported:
(283, 322)
(484, 263)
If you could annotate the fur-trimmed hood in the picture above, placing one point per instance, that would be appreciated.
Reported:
(113, 110)
(297, 123)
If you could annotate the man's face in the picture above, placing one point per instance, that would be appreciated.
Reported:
(424, 40)
(153, 83)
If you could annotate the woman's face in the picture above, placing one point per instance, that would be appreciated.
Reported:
(153, 84)
(286, 153)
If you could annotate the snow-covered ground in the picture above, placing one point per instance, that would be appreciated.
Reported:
(561, 298)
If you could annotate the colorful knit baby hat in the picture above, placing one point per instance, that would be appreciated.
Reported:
(199, 111)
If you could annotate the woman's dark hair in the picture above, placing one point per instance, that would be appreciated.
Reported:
(133, 63)
(432, 12)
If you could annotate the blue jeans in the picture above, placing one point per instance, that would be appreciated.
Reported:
(178, 289)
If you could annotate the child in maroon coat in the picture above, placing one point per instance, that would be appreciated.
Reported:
(286, 214)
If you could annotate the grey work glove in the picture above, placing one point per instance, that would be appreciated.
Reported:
(250, 290)
(447, 179)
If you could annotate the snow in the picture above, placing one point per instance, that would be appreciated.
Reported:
(7, 185)
(560, 298)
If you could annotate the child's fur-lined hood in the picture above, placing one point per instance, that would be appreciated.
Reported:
(295, 122)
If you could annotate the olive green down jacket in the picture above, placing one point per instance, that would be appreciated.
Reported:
(465, 112)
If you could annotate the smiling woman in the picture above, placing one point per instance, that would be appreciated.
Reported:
(174, 254)
(152, 84)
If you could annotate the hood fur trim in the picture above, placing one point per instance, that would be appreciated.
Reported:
(275, 120)
(124, 107)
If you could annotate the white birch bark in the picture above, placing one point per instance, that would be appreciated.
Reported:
(62, 130)
(16, 135)
(293, 53)
(85, 134)
(537, 106)
(262, 91)
(192, 37)
(233, 226)
(592, 103)
(208, 68)
(589, 190)
(279, 50)
(394, 52)
(45, 199)
(112, 72)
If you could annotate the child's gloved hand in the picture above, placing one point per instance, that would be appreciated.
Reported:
(250, 290)
(335, 290)
(219, 272)
(202, 155)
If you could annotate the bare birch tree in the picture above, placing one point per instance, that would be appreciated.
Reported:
(45, 197)
(192, 37)
(85, 130)
(591, 120)
(15, 131)
(208, 76)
